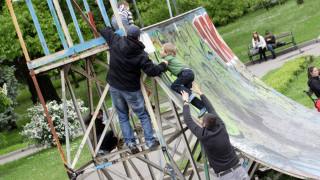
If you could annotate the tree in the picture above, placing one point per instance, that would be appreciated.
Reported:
(8, 93)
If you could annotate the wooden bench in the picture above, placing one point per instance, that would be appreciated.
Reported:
(250, 47)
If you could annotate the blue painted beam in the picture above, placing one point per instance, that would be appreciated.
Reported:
(103, 12)
(38, 28)
(65, 53)
(55, 18)
(76, 25)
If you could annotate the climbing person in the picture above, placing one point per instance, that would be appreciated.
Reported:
(271, 43)
(125, 16)
(185, 75)
(127, 59)
(314, 81)
(259, 43)
(215, 139)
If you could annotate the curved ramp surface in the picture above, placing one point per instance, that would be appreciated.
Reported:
(262, 123)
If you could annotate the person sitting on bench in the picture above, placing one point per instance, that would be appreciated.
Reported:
(259, 43)
(271, 43)
(314, 81)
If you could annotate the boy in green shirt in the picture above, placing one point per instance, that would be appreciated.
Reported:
(185, 76)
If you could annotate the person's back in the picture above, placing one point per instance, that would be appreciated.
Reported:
(127, 58)
(314, 81)
(215, 139)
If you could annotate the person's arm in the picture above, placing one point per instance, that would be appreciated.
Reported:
(263, 42)
(273, 40)
(253, 43)
(207, 104)
(151, 69)
(130, 19)
(315, 85)
(110, 36)
(194, 128)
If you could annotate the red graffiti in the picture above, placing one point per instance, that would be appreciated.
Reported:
(208, 32)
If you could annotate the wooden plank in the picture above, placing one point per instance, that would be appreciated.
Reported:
(56, 21)
(72, 59)
(64, 53)
(38, 28)
(103, 11)
(74, 19)
(63, 22)
(283, 35)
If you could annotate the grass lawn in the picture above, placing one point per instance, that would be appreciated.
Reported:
(45, 164)
(302, 20)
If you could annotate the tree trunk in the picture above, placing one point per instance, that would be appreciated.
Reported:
(48, 91)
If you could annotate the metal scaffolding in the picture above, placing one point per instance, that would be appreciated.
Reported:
(168, 125)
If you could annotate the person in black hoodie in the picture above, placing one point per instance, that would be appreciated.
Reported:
(215, 139)
(127, 59)
(271, 43)
(314, 82)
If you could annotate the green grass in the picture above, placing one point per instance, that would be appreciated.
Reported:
(302, 19)
(45, 164)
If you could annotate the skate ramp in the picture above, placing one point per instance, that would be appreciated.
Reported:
(262, 123)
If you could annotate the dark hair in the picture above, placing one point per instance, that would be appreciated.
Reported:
(209, 119)
(255, 38)
(310, 70)
(122, 3)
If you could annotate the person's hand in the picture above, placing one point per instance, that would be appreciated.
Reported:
(166, 62)
(151, 59)
(185, 95)
(196, 88)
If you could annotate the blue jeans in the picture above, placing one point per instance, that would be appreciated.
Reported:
(121, 100)
(270, 47)
(184, 82)
(123, 20)
(237, 174)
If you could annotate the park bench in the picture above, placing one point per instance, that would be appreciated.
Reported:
(250, 47)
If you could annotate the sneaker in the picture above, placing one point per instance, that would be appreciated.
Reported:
(191, 97)
(154, 146)
(133, 148)
(202, 111)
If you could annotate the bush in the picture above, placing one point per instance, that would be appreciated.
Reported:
(7, 79)
(2, 140)
(4, 100)
(38, 130)
(281, 77)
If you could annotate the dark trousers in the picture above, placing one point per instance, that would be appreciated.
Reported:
(262, 52)
(109, 142)
(184, 82)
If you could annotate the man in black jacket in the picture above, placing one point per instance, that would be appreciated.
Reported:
(215, 139)
(127, 59)
(271, 43)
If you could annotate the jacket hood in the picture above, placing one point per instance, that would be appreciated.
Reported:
(131, 47)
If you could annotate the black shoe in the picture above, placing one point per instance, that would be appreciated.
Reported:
(265, 59)
(133, 148)
(154, 146)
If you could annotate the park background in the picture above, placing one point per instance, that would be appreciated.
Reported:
(235, 21)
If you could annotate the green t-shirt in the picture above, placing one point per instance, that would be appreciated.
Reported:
(174, 66)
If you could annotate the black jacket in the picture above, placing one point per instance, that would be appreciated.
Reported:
(127, 58)
(271, 40)
(215, 140)
(314, 84)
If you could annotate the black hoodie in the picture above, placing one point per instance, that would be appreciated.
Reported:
(127, 58)
(314, 84)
